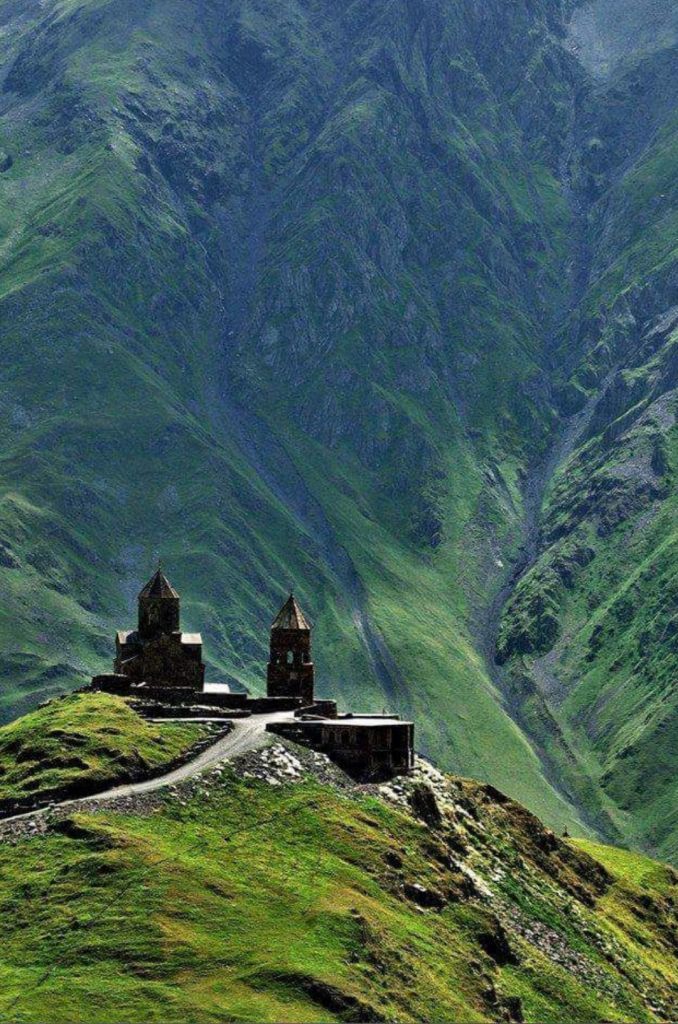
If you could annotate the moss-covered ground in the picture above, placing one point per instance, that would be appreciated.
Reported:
(245, 901)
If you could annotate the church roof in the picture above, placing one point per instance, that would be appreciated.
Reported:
(159, 586)
(290, 616)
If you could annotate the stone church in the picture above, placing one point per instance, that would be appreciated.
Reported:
(162, 668)
(157, 652)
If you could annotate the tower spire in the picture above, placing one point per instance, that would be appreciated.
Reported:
(291, 616)
(290, 669)
(159, 607)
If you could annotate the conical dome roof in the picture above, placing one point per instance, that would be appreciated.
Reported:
(291, 616)
(159, 586)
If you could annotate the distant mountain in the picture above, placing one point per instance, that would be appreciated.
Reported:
(374, 297)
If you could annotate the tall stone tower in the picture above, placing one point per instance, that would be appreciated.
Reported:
(290, 669)
(158, 607)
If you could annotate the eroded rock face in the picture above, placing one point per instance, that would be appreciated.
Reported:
(425, 806)
(604, 33)
(496, 944)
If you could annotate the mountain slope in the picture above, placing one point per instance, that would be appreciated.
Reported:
(247, 240)
(275, 890)
(329, 292)
(590, 628)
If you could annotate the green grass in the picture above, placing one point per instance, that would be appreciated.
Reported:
(82, 743)
(254, 903)
(631, 867)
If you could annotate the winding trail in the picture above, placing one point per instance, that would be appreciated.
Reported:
(247, 734)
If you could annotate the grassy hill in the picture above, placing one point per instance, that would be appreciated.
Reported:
(83, 743)
(253, 898)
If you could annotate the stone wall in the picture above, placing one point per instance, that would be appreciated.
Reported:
(181, 697)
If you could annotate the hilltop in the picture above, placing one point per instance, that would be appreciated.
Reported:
(85, 743)
(275, 888)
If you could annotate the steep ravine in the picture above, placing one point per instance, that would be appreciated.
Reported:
(522, 695)
(585, 616)
(520, 690)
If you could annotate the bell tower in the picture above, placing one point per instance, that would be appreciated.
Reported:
(158, 608)
(290, 668)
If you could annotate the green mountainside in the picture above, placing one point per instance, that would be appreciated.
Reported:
(590, 630)
(275, 889)
(373, 296)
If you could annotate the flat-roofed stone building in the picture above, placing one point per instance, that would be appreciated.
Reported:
(373, 744)
(157, 652)
(367, 746)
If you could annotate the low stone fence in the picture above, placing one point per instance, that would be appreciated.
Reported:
(120, 686)
(157, 710)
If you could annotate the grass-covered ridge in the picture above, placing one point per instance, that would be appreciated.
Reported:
(83, 743)
(245, 901)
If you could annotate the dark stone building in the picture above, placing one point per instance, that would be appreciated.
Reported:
(157, 652)
(367, 746)
(291, 672)
(374, 745)
(371, 746)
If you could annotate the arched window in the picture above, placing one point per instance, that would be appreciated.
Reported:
(290, 657)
